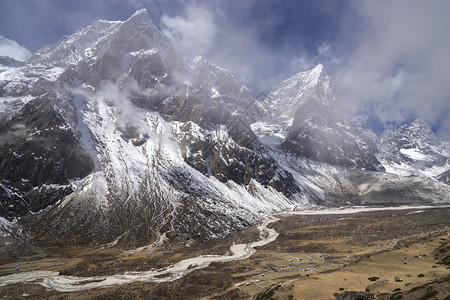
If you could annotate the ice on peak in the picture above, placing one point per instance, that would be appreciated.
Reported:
(419, 122)
(100, 23)
(318, 68)
(197, 59)
(303, 80)
(140, 15)
(142, 11)
(312, 74)
(418, 126)
(287, 98)
(144, 52)
(200, 61)
(413, 149)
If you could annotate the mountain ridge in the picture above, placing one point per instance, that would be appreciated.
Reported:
(122, 142)
(412, 150)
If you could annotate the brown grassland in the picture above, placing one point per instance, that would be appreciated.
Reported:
(401, 254)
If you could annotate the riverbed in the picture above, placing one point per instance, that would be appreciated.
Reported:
(63, 283)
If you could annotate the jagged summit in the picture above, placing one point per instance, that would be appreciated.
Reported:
(420, 122)
(134, 148)
(413, 149)
(318, 68)
(421, 125)
(110, 137)
(112, 38)
(419, 133)
(139, 13)
(140, 18)
(318, 129)
(310, 77)
(304, 86)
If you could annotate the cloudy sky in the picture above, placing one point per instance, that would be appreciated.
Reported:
(388, 60)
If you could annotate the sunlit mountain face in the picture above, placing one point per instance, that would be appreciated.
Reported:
(111, 136)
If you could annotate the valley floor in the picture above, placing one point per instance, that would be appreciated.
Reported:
(395, 254)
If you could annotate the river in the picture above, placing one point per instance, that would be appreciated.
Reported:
(65, 283)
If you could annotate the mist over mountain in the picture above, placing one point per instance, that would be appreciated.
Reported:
(111, 137)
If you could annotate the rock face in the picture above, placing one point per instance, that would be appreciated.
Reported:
(413, 150)
(379, 287)
(111, 46)
(39, 158)
(10, 62)
(109, 137)
(354, 296)
(319, 130)
(213, 97)
(122, 142)
(444, 177)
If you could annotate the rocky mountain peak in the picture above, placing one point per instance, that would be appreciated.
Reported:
(417, 125)
(141, 15)
(295, 91)
(141, 19)
(219, 82)
(417, 134)
(412, 149)
(314, 78)
(317, 128)
(113, 38)
(421, 130)
(420, 123)
(130, 146)
(10, 62)
(309, 78)
(318, 68)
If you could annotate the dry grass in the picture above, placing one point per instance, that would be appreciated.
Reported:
(314, 257)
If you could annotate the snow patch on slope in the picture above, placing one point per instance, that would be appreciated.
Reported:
(412, 150)
(414, 154)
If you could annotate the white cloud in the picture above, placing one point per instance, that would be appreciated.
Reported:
(398, 62)
(324, 49)
(301, 63)
(194, 33)
(444, 131)
(12, 49)
(241, 53)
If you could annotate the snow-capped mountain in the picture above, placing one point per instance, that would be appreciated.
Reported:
(110, 44)
(110, 137)
(413, 150)
(318, 129)
(115, 129)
